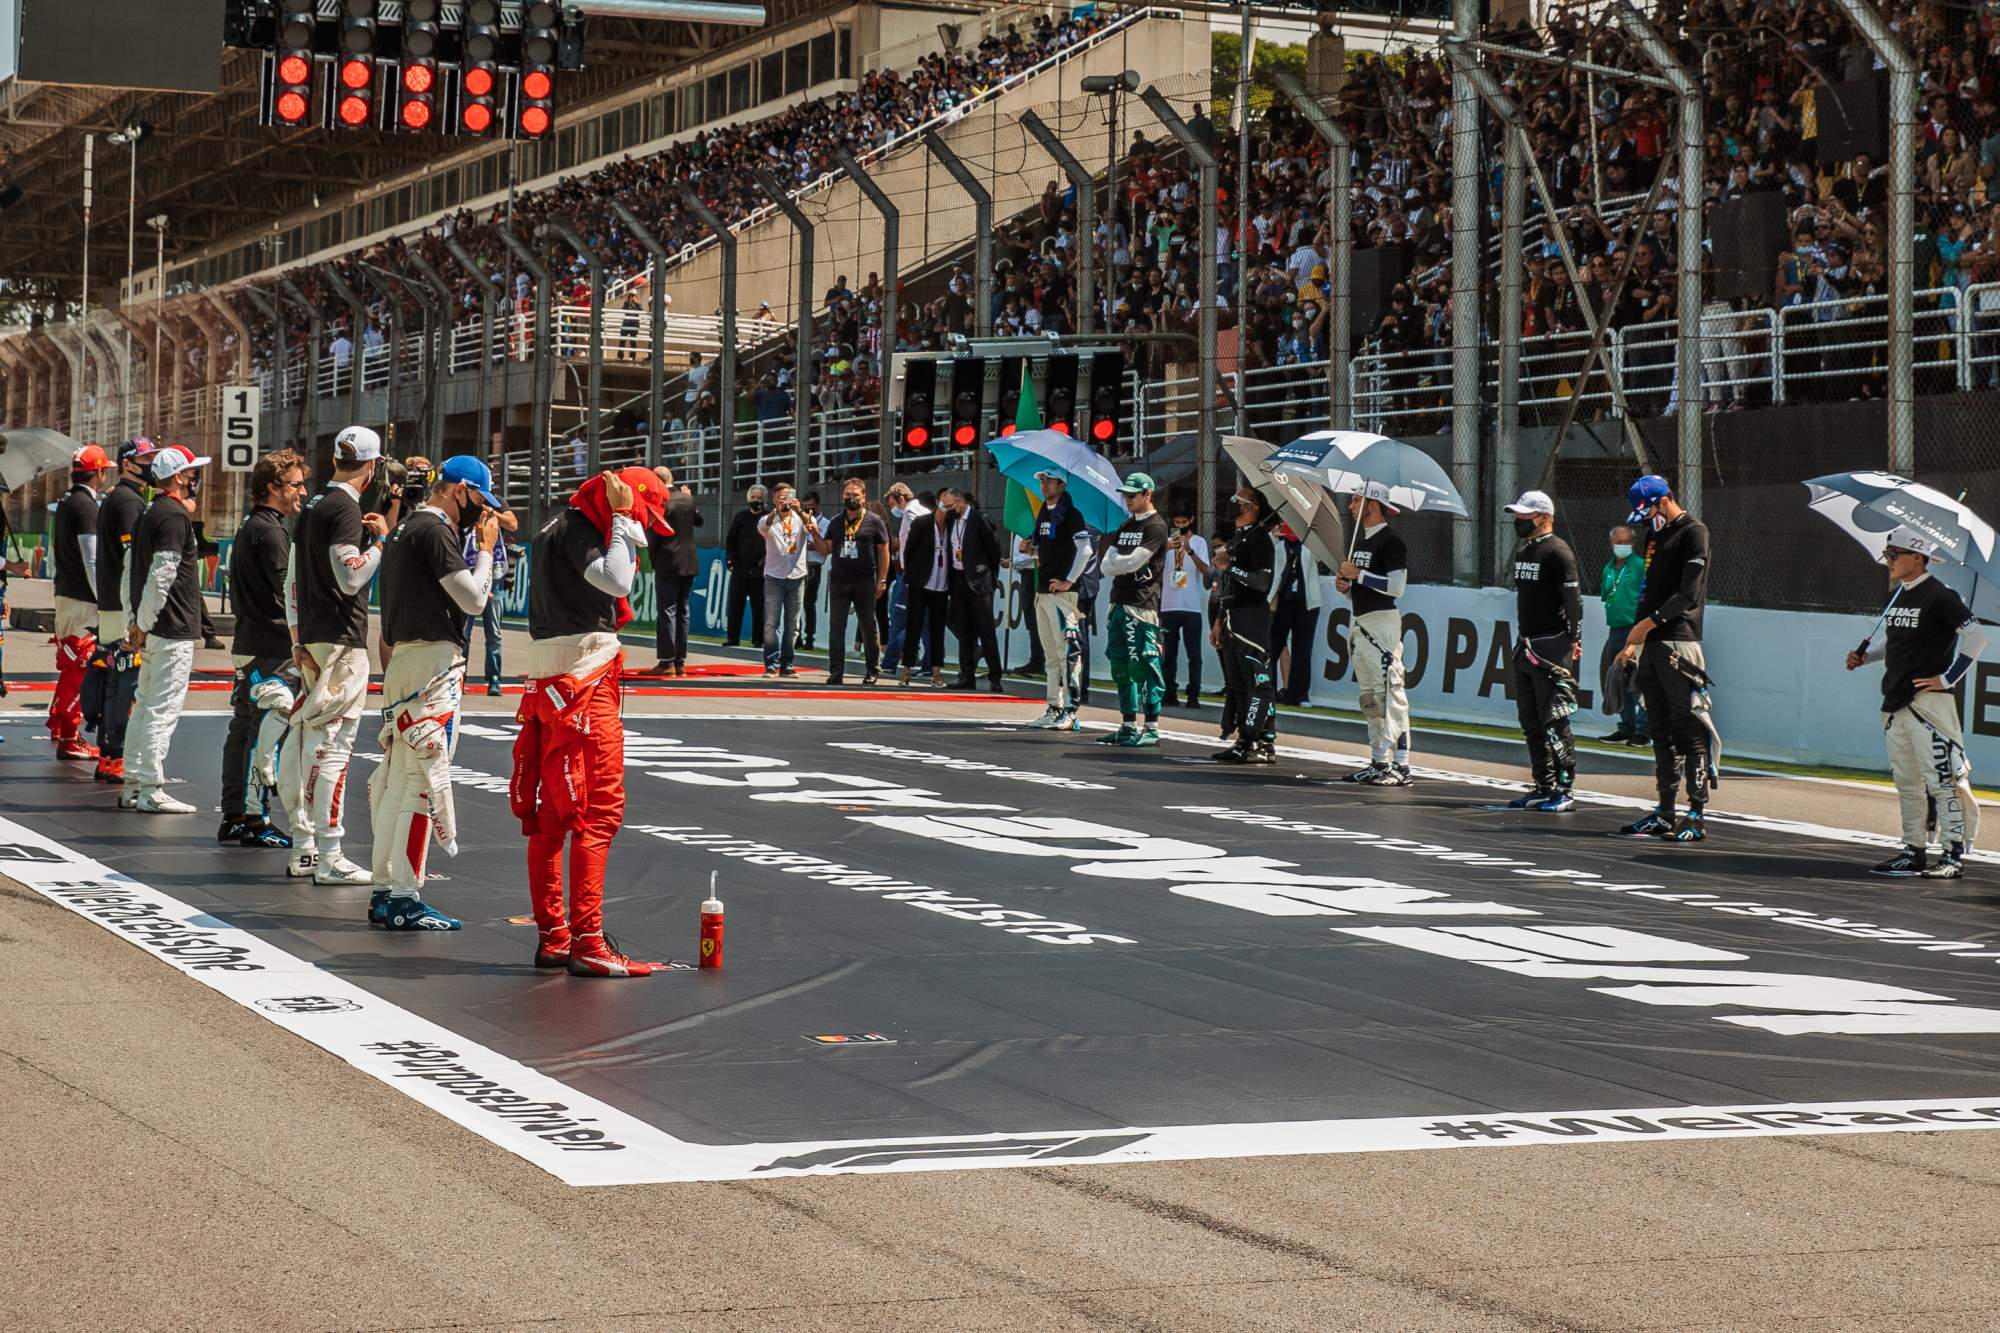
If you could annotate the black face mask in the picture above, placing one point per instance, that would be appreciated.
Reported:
(757, 506)
(851, 503)
(1524, 527)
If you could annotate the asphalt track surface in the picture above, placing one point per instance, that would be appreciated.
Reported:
(1211, 1015)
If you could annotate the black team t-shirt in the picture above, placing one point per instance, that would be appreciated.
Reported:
(858, 541)
(76, 517)
(117, 522)
(1383, 554)
(326, 614)
(165, 526)
(257, 585)
(1920, 639)
(1548, 599)
(1140, 589)
(561, 601)
(423, 550)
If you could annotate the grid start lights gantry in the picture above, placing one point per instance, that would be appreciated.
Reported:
(342, 64)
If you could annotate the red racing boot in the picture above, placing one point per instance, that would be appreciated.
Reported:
(598, 956)
(73, 747)
(110, 770)
(553, 949)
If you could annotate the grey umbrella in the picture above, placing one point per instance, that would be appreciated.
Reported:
(1307, 509)
(31, 452)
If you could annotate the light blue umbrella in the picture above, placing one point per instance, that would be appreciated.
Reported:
(1092, 482)
(1350, 462)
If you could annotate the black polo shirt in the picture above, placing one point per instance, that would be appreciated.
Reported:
(257, 585)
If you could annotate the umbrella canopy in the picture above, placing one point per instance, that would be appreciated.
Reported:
(1308, 510)
(1349, 462)
(31, 452)
(1093, 483)
(1878, 509)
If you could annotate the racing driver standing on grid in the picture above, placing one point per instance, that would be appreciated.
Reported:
(334, 556)
(569, 759)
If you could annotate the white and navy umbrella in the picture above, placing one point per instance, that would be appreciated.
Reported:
(1306, 509)
(1881, 509)
(1349, 462)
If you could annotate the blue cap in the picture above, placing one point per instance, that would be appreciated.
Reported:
(1645, 495)
(466, 468)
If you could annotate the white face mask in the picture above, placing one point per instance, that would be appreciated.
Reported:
(1622, 550)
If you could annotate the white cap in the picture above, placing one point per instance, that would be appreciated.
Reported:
(1908, 539)
(1533, 502)
(356, 444)
(174, 460)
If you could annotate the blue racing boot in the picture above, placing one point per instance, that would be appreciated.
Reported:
(1560, 802)
(378, 905)
(407, 913)
(1688, 828)
(1531, 800)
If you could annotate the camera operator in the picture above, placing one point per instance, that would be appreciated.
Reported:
(333, 558)
(428, 597)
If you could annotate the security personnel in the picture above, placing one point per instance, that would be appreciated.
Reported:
(164, 592)
(75, 539)
(1375, 576)
(333, 559)
(117, 522)
(1664, 648)
(1239, 628)
(428, 593)
(263, 689)
(1929, 641)
(1135, 557)
(1548, 643)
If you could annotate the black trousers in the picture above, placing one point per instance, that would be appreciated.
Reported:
(746, 588)
(972, 623)
(1545, 700)
(121, 687)
(1670, 675)
(245, 719)
(1250, 693)
(670, 626)
(925, 620)
(809, 604)
(843, 599)
(1181, 630)
(1292, 624)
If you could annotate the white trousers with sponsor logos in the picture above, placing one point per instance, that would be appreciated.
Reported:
(1927, 758)
(164, 668)
(1056, 629)
(1377, 644)
(409, 796)
(312, 769)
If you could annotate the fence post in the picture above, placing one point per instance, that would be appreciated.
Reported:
(657, 381)
(892, 277)
(559, 229)
(803, 313)
(538, 420)
(725, 395)
(1204, 160)
(473, 271)
(440, 351)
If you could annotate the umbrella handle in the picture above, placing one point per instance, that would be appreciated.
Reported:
(1869, 637)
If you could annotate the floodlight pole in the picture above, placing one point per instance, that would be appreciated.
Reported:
(885, 462)
(1204, 161)
(538, 421)
(1085, 187)
(472, 270)
(1467, 267)
(1889, 49)
(358, 337)
(315, 330)
(1340, 250)
(440, 348)
(560, 229)
(1687, 294)
(802, 225)
(657, 381)
(725, 394)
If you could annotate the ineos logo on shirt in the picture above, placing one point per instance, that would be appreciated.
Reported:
(306, 1004)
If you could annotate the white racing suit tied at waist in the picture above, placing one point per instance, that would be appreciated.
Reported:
(275, 697)
(409, 795)
(312, 770)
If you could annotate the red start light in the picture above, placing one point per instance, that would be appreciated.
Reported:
(356, 74)
(478, 82)
(353, 111)
(963, 436)
(478, 118)
(537, 83)
(294, 69)
(291, 107)
(535, 121)
(418, 78)
(1102, 430)
(917, 437)
(1008, 429)
(1060, 427)
(416, 115)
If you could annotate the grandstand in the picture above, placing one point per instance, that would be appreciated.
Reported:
(379, 284)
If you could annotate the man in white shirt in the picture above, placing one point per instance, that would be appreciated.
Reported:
(1181, 603)
(788, 534)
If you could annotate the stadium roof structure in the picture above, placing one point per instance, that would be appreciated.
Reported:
(215, 171)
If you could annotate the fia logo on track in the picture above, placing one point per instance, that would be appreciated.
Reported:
(306, 1004)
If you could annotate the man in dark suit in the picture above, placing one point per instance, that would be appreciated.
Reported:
(927, 580)
(743, 548)
(975, 570)
(675, 565)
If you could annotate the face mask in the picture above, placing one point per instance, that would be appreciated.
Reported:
(757, 506)
(851, 503)
(1622, 550)
(1524, 527)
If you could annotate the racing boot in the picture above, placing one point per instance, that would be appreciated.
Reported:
(1127, 734)
(74, 747)
(159, 801)
(1906, 864)
(1655, 824)
(1688, 828)
(110, 770)
(1366, 774)
(1949, 865)
(552, 950)
(598, 956)
(303, 862)
(407, 913)
(378, 907)
(1047, 721)
(1262, 754)
(1238, 753)
(1560, 802)
(1530, 800)
(1066, 721)
(232, 830)
(334, 868)
(1149, 735)
(262, 833)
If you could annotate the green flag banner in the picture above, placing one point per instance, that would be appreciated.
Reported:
(1023, 505)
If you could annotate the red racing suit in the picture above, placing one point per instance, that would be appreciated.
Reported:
(76, 641)
(569, 782)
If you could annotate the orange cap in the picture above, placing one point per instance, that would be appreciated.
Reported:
(89, 458)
